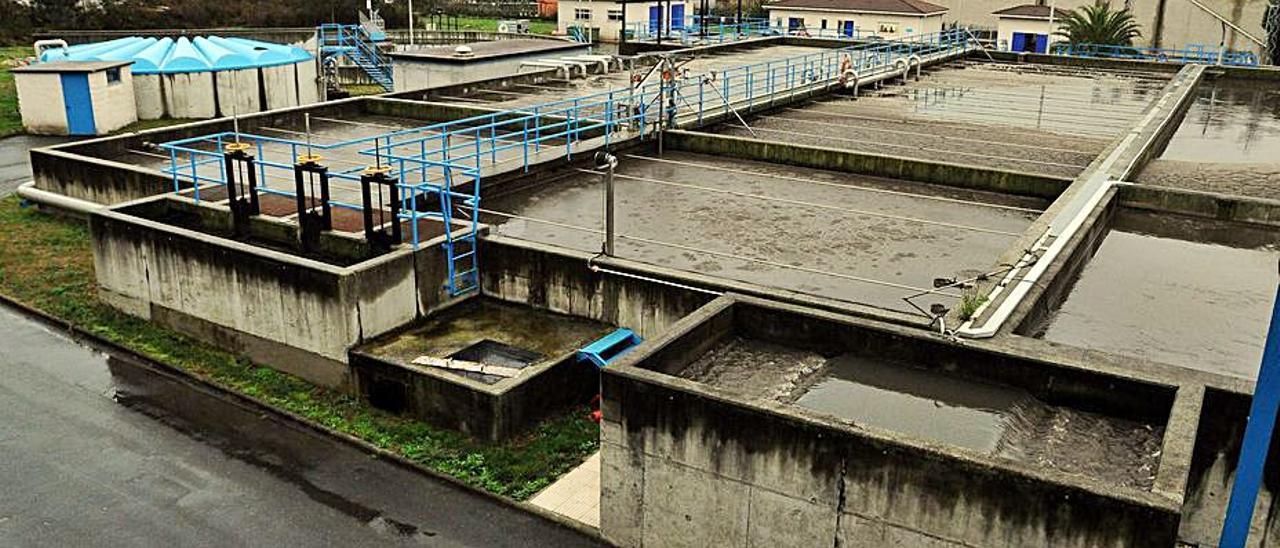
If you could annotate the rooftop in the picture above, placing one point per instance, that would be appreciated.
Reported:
(1031, 10)
(168, 56)
(914, 7)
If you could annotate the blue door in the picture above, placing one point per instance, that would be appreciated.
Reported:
(655, 18)
(794, 23)
(78, 103)
(1019, 42)
(848, 28)
(677, 16)
(1042, 43)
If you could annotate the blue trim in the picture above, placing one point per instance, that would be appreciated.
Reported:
(1257, 439)
(78, 103)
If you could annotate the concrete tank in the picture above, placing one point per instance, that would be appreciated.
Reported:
(206, 76)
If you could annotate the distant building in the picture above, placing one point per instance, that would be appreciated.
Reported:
(884, 18)
(604, 18)
(1027, 28)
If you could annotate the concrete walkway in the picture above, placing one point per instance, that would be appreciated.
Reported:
(576, 495)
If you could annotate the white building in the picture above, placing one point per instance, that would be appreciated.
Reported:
(1027, 28)
(605, 18)
(75, 97)
(887, 19)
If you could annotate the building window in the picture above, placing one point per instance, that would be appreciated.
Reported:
(824, 24)
(113, 76)
(888, 28)
(582, 14)
(615, 15)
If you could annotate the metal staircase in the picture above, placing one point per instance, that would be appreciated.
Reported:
(358, 44)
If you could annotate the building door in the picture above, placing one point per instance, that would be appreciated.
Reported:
(677, 16)
(655, 18)
(1019, 42)
(795, 23)
(848, 28)
(1042, 43)
(78, 103)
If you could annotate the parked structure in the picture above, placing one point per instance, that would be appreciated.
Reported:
(888, 19)
(606, 19)
(205, 76)
(75, 97)
(1027, 28)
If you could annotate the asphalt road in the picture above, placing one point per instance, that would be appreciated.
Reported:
(15, 168)
(96, 451)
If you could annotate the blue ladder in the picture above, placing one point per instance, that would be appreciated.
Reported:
(356, 44)
(461, 252)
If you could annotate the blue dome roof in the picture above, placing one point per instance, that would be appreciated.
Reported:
(169, 56)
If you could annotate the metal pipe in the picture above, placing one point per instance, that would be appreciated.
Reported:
(28, 191)
(607, 162)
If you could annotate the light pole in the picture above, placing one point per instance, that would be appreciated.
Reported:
(410, 22)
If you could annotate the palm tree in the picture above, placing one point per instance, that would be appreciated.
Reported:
(1099, 24)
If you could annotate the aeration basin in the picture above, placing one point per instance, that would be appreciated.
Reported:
(860, 434)
(428, 368)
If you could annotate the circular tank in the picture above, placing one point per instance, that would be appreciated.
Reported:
(206, 76)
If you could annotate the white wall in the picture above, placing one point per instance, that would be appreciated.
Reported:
(113, 103)
(1007, 26)
(865, 23)
(40, 102)
(609, 30)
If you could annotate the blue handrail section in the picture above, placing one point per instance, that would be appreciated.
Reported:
(1194, 53)
(439, 167)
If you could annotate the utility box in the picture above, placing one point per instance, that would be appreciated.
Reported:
(75, 97)
(514, 26)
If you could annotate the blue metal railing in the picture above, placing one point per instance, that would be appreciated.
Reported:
(439, 167)
(1194, 53)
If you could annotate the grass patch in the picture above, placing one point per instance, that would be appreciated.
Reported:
(488, 24)
(357, 90)
(970, 301)
(46, 263)
(10, 119)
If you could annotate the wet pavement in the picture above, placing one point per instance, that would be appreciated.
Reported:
(856, 238)
(1176, 290)
(97, 451)
(15, 164)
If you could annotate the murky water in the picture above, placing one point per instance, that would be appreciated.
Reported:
(1153, 292)
(535, 331)
(1230, 122)
(989, 418)
(985, 417)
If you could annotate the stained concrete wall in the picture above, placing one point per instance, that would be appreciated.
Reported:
(419, 72)
(295, 314)
(45, 89)
(238, 91)
(189, 95)
(529, 273)
(683, 465)
(148, 98)
(280, 86)
(113, 104)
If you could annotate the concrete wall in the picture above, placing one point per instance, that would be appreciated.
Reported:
(308, 83)
(683, 465)
(189, 95)
(525, 273)
(280, 86)
(298, 315)
(113, 102)
(1023, 184)
(864, 23)
(238, 91)
(40, 101)
(417, 73)
(148, 98)
(492, 412)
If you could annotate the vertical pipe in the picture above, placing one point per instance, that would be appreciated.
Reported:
(1257, 439)
(608, 211)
